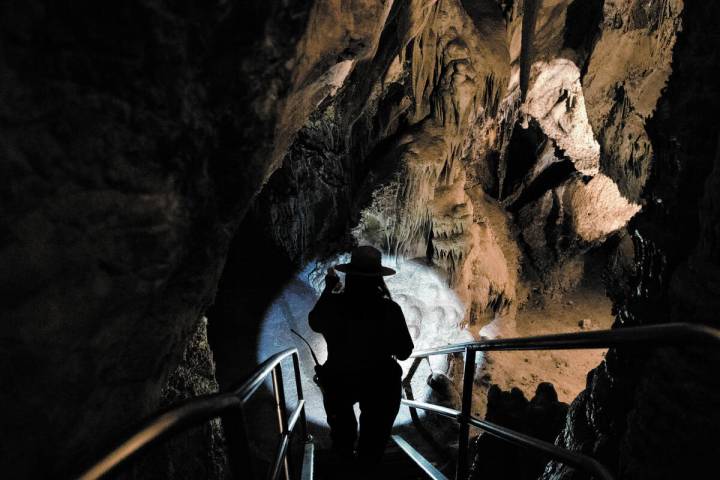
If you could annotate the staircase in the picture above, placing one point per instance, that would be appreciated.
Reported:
(395, 465)
(402, 461)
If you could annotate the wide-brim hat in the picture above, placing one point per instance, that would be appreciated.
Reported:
(365, 261)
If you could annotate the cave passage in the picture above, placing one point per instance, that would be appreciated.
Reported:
(178, 177)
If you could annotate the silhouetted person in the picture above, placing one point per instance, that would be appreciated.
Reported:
(365, 331)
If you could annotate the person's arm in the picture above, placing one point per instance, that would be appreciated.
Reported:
(402, 343)
(318, 316)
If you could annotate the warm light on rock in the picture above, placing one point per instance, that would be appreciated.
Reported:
(529, 168)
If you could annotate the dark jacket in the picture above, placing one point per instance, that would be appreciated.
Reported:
(362, 333)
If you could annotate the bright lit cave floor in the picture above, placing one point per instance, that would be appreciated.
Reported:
(565, 369)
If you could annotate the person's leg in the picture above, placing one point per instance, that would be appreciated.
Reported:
(341, 419)
(379, 406)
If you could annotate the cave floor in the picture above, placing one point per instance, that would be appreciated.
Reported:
(565, 369)
(396, 465)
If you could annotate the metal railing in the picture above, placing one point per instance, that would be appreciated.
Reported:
(654, 335)
(228, 405)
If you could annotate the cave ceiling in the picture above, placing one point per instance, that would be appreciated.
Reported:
(502, 140)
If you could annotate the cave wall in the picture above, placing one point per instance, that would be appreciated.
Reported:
(629, 66)
(650, 413)
(414, 150)
(497, 223)
(133, 137)
(586, 93)
(202, 451)
(498, 140)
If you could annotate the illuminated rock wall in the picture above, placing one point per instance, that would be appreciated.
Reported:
(498, 141)
(642, 411)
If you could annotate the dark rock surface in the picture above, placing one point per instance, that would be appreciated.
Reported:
(131, 142)
(200, 452)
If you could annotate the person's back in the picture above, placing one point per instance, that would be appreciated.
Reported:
(362, 333)
(365, 331)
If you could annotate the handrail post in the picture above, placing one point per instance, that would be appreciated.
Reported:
(407, 387)
(465, 411)
(299, 390)
(281, 407)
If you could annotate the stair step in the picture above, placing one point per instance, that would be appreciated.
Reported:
(395, 465)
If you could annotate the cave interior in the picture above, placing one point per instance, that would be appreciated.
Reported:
(180, 176)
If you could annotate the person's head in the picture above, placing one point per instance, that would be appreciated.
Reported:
(365, 273)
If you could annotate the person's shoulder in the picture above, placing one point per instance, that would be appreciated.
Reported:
(334, 300)
(391, 305)
(338, 298)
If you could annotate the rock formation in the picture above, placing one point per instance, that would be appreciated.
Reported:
(633, 403)
(134, 137)
(165, 161)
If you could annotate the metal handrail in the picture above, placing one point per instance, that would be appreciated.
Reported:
(667, 334)
(578, 460)
(652, 335)
(207, 407)
(204, 408)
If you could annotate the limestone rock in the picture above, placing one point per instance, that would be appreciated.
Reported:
(498, 141)
(200, 452)
(585, 323)
(631, 401)
(630, 63)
